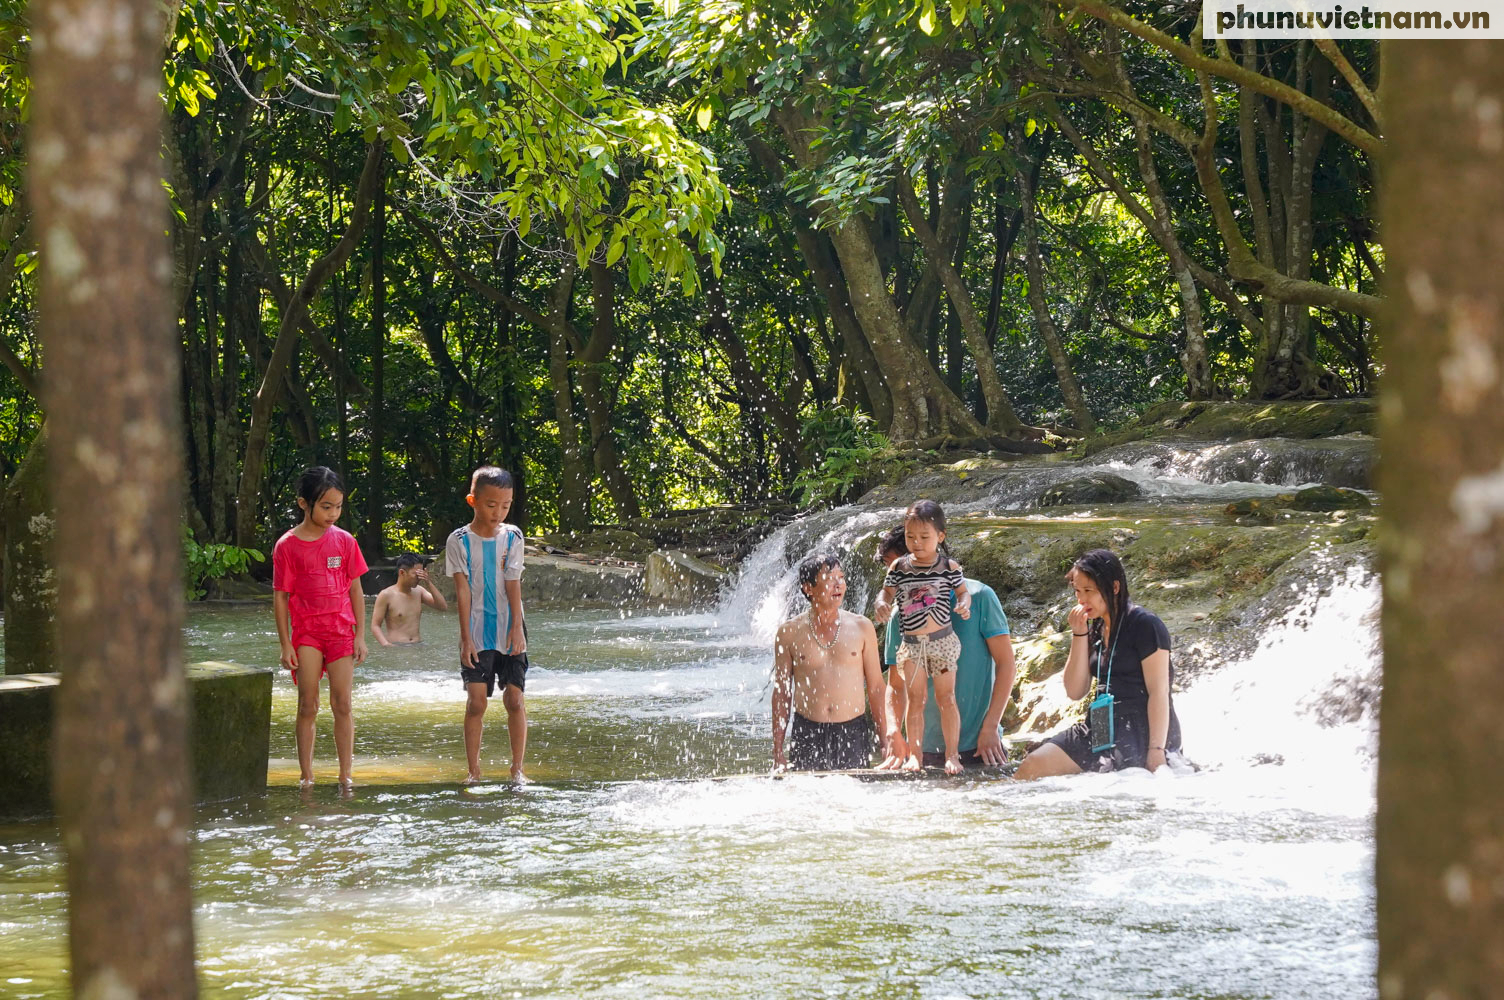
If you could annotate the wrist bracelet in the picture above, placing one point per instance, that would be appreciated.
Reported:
(1160, 749)
(1080, 633)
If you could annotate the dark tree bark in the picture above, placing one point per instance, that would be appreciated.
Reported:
(115, 434)
(592, 359)
(30, 571)
(1440, 860)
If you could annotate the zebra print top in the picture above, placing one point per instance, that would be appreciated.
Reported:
(923, 592)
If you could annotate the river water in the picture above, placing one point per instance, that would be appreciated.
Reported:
(655, 857)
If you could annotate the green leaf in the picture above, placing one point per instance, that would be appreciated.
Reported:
(704, 116)
(927, 18)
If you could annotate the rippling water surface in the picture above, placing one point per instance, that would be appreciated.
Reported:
(655, 858)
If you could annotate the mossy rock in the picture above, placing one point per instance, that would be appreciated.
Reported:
(615, 542)
(1257, 510)
(1327, 498)
(1101, 487)
(1241, 421)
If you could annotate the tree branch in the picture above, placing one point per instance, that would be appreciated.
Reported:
(1189, 57)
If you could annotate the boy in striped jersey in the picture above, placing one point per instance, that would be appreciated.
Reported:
(485, 559)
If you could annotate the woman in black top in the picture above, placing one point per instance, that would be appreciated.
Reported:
(1126, 651)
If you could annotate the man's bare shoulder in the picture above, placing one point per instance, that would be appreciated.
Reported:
(862, 622)
(792, 623)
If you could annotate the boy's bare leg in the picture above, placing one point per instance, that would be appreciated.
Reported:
(915, 726)
(475, 714)
(310, 666)
(511, 697)
(950, 719)
(341, 685)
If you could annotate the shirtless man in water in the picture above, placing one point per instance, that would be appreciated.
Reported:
(826, 666)
(394, 620)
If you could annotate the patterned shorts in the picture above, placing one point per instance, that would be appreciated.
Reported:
(937, 652)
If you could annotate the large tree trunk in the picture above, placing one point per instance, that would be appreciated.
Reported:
(1440, 860)
(1069, 387)
(30, 571)
(267, 396)
(594, 360)
(1000, 414)
(922, 403)
(574, 475)
(856, 357)
(116, 473)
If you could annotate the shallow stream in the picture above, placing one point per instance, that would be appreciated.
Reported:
(655, 857)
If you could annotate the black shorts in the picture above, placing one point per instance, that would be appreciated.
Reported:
(497, 668)
(1131, 730)
(830, 746)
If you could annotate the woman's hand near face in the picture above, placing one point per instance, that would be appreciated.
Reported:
(1079, 618)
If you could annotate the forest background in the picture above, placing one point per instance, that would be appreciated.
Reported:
(664, 256)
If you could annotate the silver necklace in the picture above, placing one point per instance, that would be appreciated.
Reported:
(827, 646)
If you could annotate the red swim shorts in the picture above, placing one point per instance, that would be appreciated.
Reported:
(335, 646)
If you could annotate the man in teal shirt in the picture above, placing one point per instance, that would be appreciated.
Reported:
(984, 674)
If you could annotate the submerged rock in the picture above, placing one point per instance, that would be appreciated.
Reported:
(1329, 498)
(1100, 487)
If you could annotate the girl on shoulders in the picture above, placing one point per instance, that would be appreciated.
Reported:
(1125, 651)
(922, 583)
(320, 611)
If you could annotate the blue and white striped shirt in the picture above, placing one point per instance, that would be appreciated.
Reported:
(486, 563)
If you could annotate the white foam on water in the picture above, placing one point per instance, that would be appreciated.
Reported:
(1308, 693)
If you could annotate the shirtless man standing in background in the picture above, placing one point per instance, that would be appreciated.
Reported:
(399, 608)
(826, 667)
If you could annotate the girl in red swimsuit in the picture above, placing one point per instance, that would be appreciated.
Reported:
(321, 611)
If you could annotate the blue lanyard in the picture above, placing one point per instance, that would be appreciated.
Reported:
(1111, 654)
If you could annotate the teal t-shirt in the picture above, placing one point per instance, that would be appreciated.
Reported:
(974, 672)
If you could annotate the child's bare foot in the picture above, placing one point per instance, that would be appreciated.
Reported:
(953, 765)
(913, 763)
(519, 778)
(471, 779)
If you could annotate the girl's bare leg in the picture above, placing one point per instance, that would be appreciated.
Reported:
(915, 728)
(898, 706)
(950, 719)
(310, 667)
(341, 683)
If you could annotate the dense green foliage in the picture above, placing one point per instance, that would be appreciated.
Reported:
(707, 251)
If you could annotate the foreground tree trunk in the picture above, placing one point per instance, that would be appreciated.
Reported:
(1440, 859)
(116, 470)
